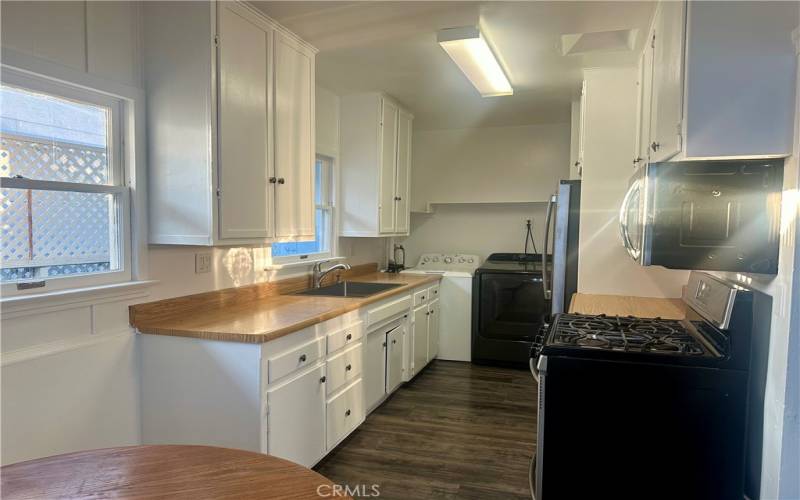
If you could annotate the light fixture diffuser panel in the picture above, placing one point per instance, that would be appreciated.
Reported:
(469, 50)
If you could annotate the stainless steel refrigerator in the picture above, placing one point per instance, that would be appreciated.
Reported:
(562, 224)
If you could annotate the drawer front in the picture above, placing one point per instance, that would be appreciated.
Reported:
(386, 311)
(295, 359)
(344, 368)
(420, 297)
(344, 337)
(433, 292)
(344, 413)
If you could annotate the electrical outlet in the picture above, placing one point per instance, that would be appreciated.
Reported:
(202, 263)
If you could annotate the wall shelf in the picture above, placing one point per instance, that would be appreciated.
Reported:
(429, 207)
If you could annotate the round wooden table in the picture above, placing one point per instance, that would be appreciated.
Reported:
(195, 472)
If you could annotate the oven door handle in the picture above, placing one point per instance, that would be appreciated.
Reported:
(534, 370)
(623, 221)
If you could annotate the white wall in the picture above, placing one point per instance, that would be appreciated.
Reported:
(478, 229)
(484, 184)
(488, 165)
(604, 266)
(70, 369)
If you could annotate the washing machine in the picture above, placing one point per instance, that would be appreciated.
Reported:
(455, 300)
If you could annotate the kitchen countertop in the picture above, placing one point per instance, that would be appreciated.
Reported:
(268, 318)
(624, 305)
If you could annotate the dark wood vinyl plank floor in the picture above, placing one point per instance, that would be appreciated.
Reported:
(457, 431)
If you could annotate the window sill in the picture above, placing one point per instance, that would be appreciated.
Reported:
(300, 263)
(60, 299)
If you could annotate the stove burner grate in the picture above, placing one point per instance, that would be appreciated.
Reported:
(625, 334)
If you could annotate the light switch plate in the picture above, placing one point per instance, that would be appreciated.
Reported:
(202, 263)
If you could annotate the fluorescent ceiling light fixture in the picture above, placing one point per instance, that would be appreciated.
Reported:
(467, 47)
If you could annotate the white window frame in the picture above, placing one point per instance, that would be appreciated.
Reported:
(310, 258)
(118, 174)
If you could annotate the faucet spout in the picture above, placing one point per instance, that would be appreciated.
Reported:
(318, 274)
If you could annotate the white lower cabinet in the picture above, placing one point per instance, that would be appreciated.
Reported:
(394, 358)
(344, 368)
(295, 397)
(375, 368)
(296, 417)
(420, 329)
(433, 329)
(345, 412)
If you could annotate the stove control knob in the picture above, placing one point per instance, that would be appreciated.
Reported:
(436, 259)
(426, 259)
(471, 260)
(461, 260)
(448, 260)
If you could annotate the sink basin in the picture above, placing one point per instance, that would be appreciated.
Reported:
(351, 289)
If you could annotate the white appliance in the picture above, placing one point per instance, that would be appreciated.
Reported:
(455, 296)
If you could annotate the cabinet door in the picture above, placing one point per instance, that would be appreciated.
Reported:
(394, 358)
(388, 167)
(433, 329)
(245, 202)
(581, 129)
(294, 139)
(420, 337)
(404, 122)
(296, 419)
(667, 107)
(642, 149)
(375, 368)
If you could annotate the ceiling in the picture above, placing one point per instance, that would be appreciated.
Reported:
(391, 46)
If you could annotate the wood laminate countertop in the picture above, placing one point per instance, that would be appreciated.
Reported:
(623, 305)
(264, 319)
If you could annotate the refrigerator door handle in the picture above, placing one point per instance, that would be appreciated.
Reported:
(546, 282)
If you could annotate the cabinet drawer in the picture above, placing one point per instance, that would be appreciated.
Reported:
(386, 311)
(433, 292)
(344, 337)
(344, 413)
(299, 357)
(344, 368)
(420, 297)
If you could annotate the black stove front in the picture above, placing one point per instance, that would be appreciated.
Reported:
(643, 408)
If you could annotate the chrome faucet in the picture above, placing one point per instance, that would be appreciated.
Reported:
(318, 274)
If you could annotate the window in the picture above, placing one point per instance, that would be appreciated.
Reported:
(63, 201)
(321, 246)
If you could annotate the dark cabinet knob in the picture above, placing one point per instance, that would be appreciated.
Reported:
(637, 160)
(349, 336)
(281, 180)
(322, 379)
(577, 163)
(303, 358)
(397, 198)
(273, 180)
(384, 344)
(655, 146)
(394, 341)
(347, 413)
(348, 368)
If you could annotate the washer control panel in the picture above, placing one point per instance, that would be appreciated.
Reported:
(448, 262)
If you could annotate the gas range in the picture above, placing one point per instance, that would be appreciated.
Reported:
(682, 390)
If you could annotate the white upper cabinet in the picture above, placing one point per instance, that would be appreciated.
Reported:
(294, 138)
(388, 166)
(667, 88)
(375, 166)
(245, 203)
(717, 79)
(230, 125)
(402, 213)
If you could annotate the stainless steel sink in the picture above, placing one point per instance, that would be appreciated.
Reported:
(351, 289)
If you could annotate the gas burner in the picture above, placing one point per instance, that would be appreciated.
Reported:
(625, 334)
